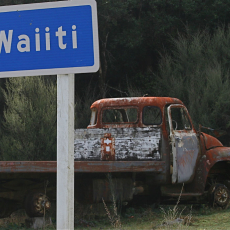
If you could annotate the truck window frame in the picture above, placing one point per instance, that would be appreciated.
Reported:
(151, 124)
(183, 121)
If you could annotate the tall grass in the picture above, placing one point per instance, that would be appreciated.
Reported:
(114, 217)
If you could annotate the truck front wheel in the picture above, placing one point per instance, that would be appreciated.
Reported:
(219, 195)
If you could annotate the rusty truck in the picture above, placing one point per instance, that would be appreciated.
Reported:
(149, 147)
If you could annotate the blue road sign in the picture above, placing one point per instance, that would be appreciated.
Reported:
(49, 38)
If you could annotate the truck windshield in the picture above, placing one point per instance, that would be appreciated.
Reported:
(120, 115)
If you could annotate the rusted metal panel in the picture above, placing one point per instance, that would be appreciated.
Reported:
(138, 102)
(187, 151)
(206, 163)
(215, 155)
(82, 166)
(120, 166)
(28, 166)
(184, 142)
(107, 147)
(130, 143)
(134, 101)
(211, 142)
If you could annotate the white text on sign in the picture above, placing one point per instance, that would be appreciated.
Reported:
(23, 44)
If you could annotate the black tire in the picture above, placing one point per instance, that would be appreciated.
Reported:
(219, 195)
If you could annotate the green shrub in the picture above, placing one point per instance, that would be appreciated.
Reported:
(29, 119)
(197, 71)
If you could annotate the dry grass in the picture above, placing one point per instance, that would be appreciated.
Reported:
(114, 218)
(172, 217)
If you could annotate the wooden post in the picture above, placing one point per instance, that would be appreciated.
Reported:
(65, 151)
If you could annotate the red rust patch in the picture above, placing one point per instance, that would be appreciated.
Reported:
(107, 148)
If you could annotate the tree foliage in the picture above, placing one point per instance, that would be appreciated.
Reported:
(197, 70)
(29, 119)
(133, 32)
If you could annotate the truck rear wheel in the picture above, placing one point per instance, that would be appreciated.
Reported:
(36, 204)
(219, 195)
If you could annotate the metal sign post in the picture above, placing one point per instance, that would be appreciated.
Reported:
(65, 151)
(53, 38)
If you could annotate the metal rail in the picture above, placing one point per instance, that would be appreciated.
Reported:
(82, 166)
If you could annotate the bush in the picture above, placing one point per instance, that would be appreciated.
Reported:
(29, 119)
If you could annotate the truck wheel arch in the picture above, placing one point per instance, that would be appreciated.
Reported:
(219, 173)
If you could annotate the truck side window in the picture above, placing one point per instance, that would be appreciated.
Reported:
(151, 115)
(180, 120)
(93, 119)
(119, 115)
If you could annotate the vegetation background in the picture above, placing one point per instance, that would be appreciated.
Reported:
(157, 47)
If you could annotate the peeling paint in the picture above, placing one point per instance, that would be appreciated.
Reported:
(180, 144)
(129, 143)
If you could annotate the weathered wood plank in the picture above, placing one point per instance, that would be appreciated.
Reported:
(130, 143)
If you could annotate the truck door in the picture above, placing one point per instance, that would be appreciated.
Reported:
(184, 143)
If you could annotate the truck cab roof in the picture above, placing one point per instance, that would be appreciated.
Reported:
(135, 101)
